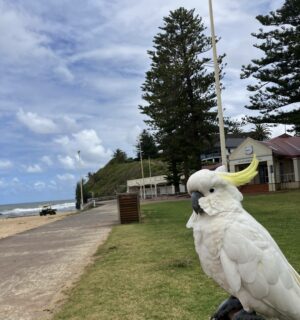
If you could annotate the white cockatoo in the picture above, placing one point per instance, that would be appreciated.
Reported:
(237, 251)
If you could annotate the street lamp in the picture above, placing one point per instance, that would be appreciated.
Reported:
(81, 188)
(218, 91)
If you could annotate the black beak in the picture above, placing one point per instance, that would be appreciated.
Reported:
(195, 201)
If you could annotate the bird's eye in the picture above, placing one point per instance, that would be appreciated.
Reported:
(211, 190)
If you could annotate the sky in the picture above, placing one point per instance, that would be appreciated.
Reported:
(71, 76)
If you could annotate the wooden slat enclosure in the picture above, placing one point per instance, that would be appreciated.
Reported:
(129, 207)
(254, 188)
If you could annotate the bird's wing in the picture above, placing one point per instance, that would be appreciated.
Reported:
(193, 220)
(253, 262)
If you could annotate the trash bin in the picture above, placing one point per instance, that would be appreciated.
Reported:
(129, 207)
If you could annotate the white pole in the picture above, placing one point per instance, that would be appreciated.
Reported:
(142, 170)
(218, 91)
(81, 188)
(150, 175)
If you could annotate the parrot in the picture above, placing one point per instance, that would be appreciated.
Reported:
(236, 251)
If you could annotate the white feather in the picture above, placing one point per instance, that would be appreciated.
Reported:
(239, 253)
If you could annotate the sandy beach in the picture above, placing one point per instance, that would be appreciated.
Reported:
(11, 226)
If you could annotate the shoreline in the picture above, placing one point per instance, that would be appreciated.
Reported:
(10, 226)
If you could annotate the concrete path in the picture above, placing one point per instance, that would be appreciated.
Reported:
(37, 265)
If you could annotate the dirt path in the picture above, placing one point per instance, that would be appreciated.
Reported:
(38, 264)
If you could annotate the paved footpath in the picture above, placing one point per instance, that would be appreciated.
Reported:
(38, 264)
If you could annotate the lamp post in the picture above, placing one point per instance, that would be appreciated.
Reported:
(217, 86)
(81, 188)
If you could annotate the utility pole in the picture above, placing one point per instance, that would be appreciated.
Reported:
(81, 187)
(150, 176)
(142, 170)
(217, 86)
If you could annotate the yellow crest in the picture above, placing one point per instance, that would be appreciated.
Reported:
(241, 177)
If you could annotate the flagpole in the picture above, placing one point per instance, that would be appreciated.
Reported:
(217, 86)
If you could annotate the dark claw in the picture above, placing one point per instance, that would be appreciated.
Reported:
(195, 201)
(226, 308)
(243, 315)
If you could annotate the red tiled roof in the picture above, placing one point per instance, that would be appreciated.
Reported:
(284, 145)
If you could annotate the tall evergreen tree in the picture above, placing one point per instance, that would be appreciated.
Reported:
(179, 90)
(278, 71)
(119, 156)
(85, 194)
(173, 157)
(148, 146)
(234, 126)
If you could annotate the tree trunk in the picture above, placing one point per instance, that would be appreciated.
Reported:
(176, 178)
(186, 171)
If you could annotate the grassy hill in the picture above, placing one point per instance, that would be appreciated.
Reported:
(113, 177)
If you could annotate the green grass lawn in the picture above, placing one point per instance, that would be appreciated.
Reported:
(151, 271)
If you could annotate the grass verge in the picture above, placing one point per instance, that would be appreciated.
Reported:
(150, 270)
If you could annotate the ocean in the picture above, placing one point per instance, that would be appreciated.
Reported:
(33, 208)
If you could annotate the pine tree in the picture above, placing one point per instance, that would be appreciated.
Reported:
(119, 156)
(85, 194)
(233, 126)
(78, 196)
(148, 146)
(179, 90)
(278, 71)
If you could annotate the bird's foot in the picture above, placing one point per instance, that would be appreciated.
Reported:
(244, 315)
(227, 308)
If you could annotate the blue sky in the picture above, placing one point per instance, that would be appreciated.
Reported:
(71, 73)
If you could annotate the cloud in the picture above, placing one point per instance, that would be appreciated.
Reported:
(35, 168)
(69, 123)
(15, 181)
(63, 141)
(52, 185)
(47, 160)
(89, 144)
(26, 40)
(36, 123)
(132, 135)
(116, 53)
(39, 185)
(64, 72)
(18, 41)
(280, 129)
(67, 162)
(10, 183)
(5, 164)
(66, 177)
(74, 79)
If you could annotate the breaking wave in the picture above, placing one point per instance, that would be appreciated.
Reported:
(30, 209)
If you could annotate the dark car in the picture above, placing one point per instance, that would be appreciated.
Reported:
(47, 210)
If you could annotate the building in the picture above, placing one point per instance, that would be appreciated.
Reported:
(159, 186)
(213, 154)
(279, 166)
(154, 186)
(279, 163)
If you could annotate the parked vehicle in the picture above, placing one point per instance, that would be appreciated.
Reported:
(46, 209)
